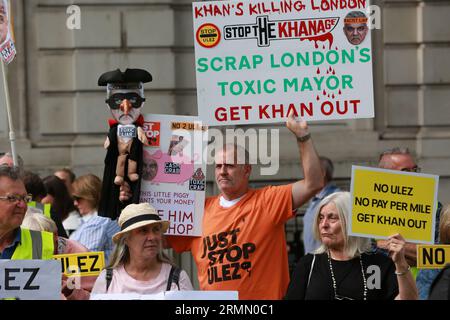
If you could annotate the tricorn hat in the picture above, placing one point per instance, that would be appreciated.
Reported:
(129, 76)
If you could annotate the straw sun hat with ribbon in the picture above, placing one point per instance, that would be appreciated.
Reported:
(137, 215)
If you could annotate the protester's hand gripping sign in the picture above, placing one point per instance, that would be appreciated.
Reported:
(257, 60)
(30, 279)
(174, 171)
(385, 202)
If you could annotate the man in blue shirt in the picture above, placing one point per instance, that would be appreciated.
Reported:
(309, 242)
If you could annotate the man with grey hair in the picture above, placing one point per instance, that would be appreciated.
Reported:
(243, 244)
(399, 158)
(16, 242)
(309, 242)
(7, 159)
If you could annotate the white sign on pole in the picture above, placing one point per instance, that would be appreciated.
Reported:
(30, 279)
(174, 173)
(3, 113)
(258, 60)
(7, 47)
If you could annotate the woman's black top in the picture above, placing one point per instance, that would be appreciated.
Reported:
(379, 271)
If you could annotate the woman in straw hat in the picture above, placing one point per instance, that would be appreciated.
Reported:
(138, 264)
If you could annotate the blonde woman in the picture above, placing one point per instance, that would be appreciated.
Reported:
(38, 222)
(340, 268)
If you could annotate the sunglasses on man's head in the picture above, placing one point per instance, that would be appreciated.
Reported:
(115, 100)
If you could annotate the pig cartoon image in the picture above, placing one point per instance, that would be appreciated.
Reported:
(163, 168)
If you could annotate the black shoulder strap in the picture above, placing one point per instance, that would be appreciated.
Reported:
(174, 276)
(109, 276)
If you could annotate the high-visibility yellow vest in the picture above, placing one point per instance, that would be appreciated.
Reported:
(34, 245)
(44, 207)
(414, 272)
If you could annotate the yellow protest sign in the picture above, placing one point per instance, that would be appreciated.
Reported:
(385, 202)
(433, 256)
(81, 264)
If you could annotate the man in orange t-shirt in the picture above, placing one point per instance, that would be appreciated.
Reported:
(243, 246)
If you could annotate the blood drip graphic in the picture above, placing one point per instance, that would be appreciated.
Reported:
(322, 38)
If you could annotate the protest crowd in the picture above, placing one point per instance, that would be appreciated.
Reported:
(252, 221)
(363, 241)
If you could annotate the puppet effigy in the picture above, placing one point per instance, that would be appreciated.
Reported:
(125, 140)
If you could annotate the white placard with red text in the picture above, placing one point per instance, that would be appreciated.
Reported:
(257, 60)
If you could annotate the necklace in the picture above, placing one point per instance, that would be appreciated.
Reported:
(336, 296)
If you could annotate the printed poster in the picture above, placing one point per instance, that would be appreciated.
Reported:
(385, 202)
(81, 264)
(433, 256)
(30, 279)
(174, 173)
(258, 60)
(7, 47)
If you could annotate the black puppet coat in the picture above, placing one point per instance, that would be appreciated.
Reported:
(110, 206)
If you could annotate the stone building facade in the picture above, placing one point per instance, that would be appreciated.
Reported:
(60, 115)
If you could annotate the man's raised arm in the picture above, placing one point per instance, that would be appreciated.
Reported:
(313, 181)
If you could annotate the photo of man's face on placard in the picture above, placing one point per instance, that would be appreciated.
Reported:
(4, 23)
(149, 168)
(355, 27)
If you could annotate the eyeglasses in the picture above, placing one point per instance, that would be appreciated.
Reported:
(77, 198)
(15, 197)
(413, 169)
(116, 99)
